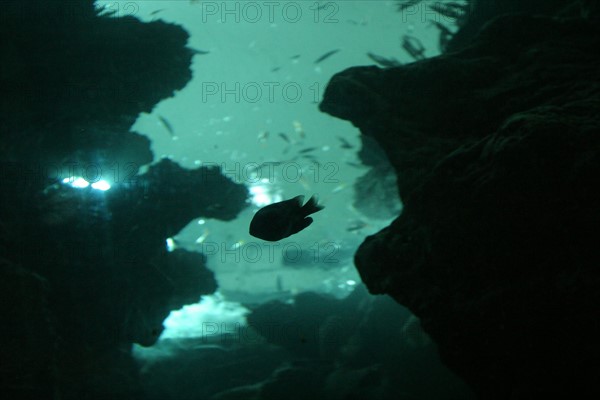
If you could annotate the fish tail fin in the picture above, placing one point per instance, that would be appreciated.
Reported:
(311, 206)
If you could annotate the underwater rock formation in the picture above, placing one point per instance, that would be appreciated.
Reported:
(73, 82)
(85, 271)
(497, 151)
(375, 193)
(479, 12)
(363, 347)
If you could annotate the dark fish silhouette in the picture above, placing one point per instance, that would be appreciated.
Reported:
(280, 220)
(383, 61)
(326, 56)
(452, 10)
(284, 137)
(414, 47)
(197, 52)
(307, 150)
(165, 122)
(345, 144)
(356, 165)
(445, 35)
(404, 4)
(356, 225)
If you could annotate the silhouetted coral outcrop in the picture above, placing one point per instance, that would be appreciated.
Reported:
(497, 153)
(85, 270)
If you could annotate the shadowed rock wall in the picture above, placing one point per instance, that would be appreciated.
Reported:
(497, 151)
(85, 273)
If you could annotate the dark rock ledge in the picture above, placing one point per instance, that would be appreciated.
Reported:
(85, 273)
(496, 147)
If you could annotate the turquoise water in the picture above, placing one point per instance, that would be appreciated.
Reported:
(254, 99)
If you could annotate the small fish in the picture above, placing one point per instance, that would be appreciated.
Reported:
(339, 188)
(307, 150)
(260, 166)
(383, 61)
(295, 57)
(263, 136)
(445, 35)
(298, 129)
(203, 237)
(275, 69)
(165, 122)
(442, 28)
(404, 4)
(345, 144)
(237, 245)
(285, 218)
(272, 163)
(106, 12)
(157, 11)
(312, 158)
(326, 56)
(284, 137)
(356, 165)
(414, 47)
(356, 225)
(209, 347)
(451, 10)
(354, 22)
(326, 5)
(197, 52)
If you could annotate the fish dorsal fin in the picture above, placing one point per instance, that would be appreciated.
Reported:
(312, 206)
(299, 199)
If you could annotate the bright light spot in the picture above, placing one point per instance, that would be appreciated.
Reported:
(200, 320)
(237, 245)
(350, 282)
(262, 196)
(101, 185)
(259, 196)
(170, 244)
(80, 183)
(201, 222)
(203, 237)
(76, 182)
